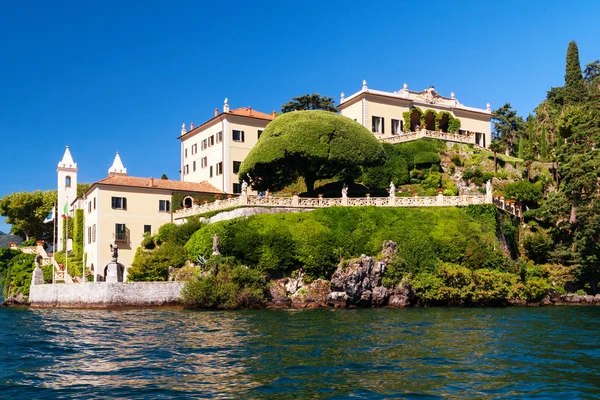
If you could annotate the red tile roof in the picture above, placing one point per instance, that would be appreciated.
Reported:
(132, 181)
(249, 112)
(242, 112)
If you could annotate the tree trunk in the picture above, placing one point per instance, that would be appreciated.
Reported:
(310, 185)
(573, 218)
(495, 163)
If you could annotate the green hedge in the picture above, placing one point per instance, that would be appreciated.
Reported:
(78, 228)
(314, 240)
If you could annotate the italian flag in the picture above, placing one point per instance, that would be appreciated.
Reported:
(64, 214)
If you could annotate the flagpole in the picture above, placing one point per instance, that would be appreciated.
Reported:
(54, 208)
(66, 239)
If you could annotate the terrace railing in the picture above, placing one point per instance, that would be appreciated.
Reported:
(321, 202)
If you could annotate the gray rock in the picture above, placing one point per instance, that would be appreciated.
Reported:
(389, 249)
(337, 299)
(402, 295)
(279, 298)
(398, 301)
(312, 296)
(380, 296)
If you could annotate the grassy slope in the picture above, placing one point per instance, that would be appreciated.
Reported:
(315, 240)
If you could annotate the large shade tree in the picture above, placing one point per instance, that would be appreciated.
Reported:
(309, 144)
(26, 211)
(508, 127)
(310, 102)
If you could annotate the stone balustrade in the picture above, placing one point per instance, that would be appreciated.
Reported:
(320, 202)
(509, 206)
(424, 133)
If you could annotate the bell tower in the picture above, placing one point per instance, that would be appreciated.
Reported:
(67, 192)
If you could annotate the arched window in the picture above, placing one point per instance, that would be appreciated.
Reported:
(68, 181)
(188, 202)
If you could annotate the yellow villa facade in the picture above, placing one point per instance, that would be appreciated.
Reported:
(121, 209)
(388, 114)
(214, 151)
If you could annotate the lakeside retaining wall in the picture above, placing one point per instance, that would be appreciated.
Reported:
(106, 294)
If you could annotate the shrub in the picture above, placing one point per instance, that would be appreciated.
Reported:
(524, 192)
(426, 159)
(456, 160)
(230, 288)
(537, 246)
(433, 181)
(17, 277)
(467, 174)
(535, 288)
(154, 265)
(502, 175)
(395, 169)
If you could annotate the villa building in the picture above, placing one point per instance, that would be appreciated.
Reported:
(387, 114)
(122, 209)
(214, 151)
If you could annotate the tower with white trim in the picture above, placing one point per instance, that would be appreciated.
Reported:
(67, 192)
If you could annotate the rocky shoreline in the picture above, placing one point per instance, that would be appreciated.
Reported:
(358, 284)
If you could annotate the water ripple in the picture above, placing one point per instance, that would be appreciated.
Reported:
(326, 353)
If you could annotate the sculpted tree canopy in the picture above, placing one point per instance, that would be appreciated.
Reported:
(309, 144)
(310, 102)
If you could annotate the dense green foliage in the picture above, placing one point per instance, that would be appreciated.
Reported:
(26, 212)
(157, 253)
(16, 269)
(454, 284)
(566, 226)
(395, 169)
(310, 102)
(526, 193)
(400, 159)
(77, 235)
(228, 287)
(311, 144)
(508, 127)
(315, 240)
(443, 121)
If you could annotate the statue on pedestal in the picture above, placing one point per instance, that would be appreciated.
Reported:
(114, 250)
(488, 187)
(216, 245)
(244, 187)
(37, 278)
(344, 191)
(392, 189)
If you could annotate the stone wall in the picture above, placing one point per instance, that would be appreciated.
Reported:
(106, 295)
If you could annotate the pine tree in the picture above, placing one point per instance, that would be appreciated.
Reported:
(575, 91)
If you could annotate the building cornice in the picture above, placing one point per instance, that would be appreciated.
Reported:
(408, 97)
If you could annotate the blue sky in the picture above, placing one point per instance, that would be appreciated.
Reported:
(123, 75)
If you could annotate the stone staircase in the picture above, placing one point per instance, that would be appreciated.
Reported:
(60, 275)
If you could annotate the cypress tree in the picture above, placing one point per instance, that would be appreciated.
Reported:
(575, 91)
(521, 148)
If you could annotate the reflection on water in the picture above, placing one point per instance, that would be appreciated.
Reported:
(448, 352)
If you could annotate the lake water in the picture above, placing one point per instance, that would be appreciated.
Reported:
(548, 352)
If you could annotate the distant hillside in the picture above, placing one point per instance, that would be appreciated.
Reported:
(5, 239)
